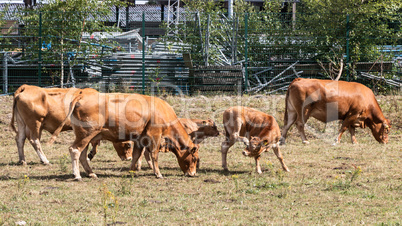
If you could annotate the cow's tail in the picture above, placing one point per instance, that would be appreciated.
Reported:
(14, 111)
(285, 120)
(58, 130)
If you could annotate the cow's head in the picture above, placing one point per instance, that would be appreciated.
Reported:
(381, 130)
(189, 160)
(124, 149)
(208, 128)
(256, 147)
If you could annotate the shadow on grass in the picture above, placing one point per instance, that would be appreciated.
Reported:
(20, 164)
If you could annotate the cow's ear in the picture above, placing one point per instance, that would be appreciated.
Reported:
(265, 142)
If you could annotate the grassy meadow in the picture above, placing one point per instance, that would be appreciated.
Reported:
(344, 184)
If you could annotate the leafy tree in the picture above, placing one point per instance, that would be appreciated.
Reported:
(62, 26)
(321, 32)
(368, 23)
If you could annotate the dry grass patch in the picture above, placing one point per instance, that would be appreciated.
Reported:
(344, 184)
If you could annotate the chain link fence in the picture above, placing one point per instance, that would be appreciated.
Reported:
(134, 50)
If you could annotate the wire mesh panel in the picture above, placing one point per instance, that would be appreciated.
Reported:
(134, 49)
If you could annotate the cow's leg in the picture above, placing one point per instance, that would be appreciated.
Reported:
(75, 155)
(257, 164)
(34, 139)
(138, 164)
(147, 154)
(345, 125)
(300, 128)
(291, 117)
(148, 158)
(75, 151)
(85, 163)
(95, 144)
(234, 131)
(352, 131)
(135, 161)
(154, 156)
(20, 139)
(224, 151)
(278, 154)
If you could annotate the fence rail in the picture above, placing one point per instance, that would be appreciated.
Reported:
(261, 52)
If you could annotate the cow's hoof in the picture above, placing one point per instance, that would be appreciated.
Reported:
(259, 171)
(22, 163)
(334, 144)
(93, 176)
(159, 177)
(286, 169)
(306, 142)
(78, 179)
(46, 163)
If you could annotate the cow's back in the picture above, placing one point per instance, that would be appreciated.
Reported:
(31, 104)
(329, 100)
(252, 121)
(189, 125)
(46, 106)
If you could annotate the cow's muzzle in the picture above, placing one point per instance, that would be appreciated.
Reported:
(126, 159)
(190, 174)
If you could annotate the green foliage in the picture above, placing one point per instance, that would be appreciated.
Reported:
(4, 43)
(371, 24)
(110, 205)
(319, 33)
(62, 24)
(63, 163)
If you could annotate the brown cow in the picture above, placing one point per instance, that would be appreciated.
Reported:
(119, 117)
(259, 131)
(328, 100)
(198, 130)
(36, 109)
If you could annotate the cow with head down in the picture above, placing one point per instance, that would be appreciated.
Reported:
(36, 109)
(257, 130)
(328, 100)
(197, 129)
(148, 121)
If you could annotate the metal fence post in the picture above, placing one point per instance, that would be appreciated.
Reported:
(40, 51)
(347, 49)
(246, 51)
(207, 40)
(5, 73)
(143, 52)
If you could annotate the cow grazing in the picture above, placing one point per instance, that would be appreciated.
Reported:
(198, 130)
(257, 130)
(36, 109)
(328, 100)
(148, 121)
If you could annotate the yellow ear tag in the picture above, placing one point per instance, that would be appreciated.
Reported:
(266, 143)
